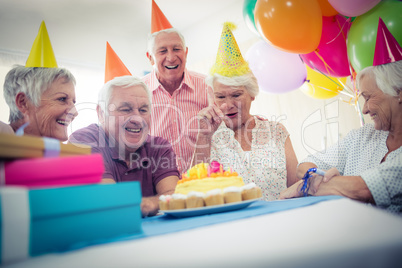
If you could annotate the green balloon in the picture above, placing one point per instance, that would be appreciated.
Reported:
(363, 32)
(248, 15)
(352, 19)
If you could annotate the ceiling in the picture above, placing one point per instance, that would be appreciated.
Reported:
(79, 29)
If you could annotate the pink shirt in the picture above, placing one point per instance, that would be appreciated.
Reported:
(174, 117)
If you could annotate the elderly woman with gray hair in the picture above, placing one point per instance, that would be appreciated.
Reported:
(42, 99)
(259, 150)
(367, 164)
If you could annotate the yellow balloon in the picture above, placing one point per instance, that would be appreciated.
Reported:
(320, 86)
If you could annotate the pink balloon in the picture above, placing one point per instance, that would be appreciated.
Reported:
(276, 71)
(353, 8)
(331, 55)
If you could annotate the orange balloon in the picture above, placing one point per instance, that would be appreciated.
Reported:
(293, 25)
(327, 9)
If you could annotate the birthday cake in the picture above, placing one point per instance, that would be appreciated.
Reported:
(208, 185)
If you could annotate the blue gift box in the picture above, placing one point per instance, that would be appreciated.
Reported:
(34, 222)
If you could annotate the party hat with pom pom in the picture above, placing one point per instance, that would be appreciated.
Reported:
(387, 49)
(229, 61)
(41, 54)
(114, 67)
(159, 21)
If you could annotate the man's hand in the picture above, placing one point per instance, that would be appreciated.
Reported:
(108, 181)
(149, 206)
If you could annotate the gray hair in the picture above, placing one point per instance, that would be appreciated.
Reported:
(249, 81)
(387, 76)
(151, 39)
(33, 82)
(122, 81)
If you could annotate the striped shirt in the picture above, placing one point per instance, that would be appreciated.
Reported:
(174, 117)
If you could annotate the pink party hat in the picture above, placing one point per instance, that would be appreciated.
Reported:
(387, 49)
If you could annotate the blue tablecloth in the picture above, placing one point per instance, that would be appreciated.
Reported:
(164, 224)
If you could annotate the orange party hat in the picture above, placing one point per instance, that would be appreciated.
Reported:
(114, 67)
(41, 54)
(159, 21)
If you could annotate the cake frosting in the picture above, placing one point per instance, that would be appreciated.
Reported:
(209, 185)
(202, 178)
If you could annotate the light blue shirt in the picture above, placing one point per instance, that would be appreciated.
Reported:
(360, 154)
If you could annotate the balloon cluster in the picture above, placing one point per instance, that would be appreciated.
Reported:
(315, 45)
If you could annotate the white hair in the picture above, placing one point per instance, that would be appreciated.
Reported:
(151, 39)
(33, 82)
(249, 81)
(122, 81)
(387, 76)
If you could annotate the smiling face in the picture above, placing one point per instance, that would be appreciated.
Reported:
(235, 103)
(55, 112)
(128, 120)
(377, 104)
(169, 57)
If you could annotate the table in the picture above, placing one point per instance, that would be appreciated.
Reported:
(334, 233)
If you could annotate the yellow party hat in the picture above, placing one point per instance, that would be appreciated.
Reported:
(229, 61)
(42, 52)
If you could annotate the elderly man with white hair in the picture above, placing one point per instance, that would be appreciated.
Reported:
(178, 94)
(129, 152)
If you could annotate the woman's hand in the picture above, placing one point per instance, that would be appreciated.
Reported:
(314, 184)
(209, 119)
(292, 191)
(330, 173)
(316, 180)
(295, 190)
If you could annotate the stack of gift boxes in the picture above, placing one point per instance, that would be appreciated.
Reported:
(51, 199)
